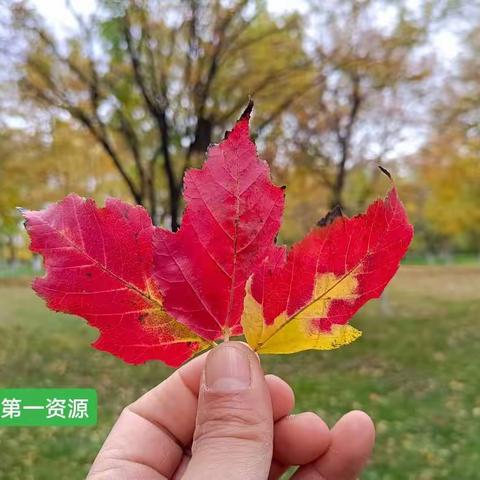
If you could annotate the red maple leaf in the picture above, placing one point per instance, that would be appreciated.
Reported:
(154, 294)
(232, 217)
(99, 264)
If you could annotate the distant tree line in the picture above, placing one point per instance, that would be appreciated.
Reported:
(131, 97)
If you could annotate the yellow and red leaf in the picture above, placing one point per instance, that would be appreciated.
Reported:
(304, 300)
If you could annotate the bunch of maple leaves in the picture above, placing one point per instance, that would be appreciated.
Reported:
(155, 294)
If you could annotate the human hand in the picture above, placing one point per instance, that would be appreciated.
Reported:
(219, 417)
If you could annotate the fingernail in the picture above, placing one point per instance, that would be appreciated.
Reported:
(227, 369)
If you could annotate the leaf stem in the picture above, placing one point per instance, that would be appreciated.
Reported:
(226, 335)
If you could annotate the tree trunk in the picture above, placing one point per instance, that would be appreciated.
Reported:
(152, 193)
(336, 199)
(174, 208)
(337, 193)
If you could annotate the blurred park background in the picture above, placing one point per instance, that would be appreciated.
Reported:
(120, 97)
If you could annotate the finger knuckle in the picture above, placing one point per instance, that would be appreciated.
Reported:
(235, 421)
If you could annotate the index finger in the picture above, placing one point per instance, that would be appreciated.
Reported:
(353, 438)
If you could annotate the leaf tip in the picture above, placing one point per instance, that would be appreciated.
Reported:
(242, 123)
(248, 110)
(330, 217)
(385, 172)
(22, 211)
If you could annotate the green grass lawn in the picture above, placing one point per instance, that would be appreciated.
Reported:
(415, 370)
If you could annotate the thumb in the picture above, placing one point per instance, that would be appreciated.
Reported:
(234, 430)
